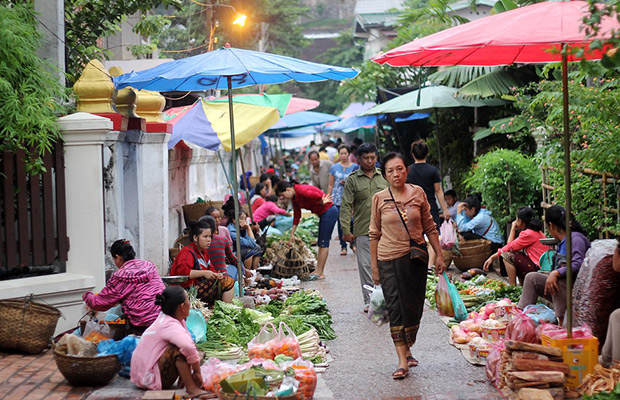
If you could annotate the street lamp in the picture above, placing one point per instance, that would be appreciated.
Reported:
(213, 25)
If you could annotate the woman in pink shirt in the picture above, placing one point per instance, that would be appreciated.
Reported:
(521, 255)
(166, 350)
(268, 208)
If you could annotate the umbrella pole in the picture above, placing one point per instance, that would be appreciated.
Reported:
(567, 180)
(246, 181)
(235, 188)
(219, 156)
(282, 168)
(438, 144)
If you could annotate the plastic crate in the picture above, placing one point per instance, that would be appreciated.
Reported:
(581, 355)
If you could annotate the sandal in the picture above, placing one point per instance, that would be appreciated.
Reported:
(400, 373)
(316, 277)
(343, 252)
(411, 362)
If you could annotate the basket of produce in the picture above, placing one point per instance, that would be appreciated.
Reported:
(471, 254)
(87, 371)
(78, 362)
(26, 326)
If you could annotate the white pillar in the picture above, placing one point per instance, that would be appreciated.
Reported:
(151, 152)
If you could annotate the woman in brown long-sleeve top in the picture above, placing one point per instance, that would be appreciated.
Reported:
(402, 278)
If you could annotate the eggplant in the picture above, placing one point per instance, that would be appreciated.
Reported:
(466, 275)
(476, 272)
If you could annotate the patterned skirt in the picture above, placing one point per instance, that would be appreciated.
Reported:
(210, 290)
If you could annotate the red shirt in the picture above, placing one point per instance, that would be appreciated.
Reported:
(310, 198)
(185, 261)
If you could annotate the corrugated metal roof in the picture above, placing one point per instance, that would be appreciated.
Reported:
(385, 19)
(375, 6)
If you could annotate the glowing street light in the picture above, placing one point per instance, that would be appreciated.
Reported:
(240, 20)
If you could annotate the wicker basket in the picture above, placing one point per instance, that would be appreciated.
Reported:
(26, 326)
(87, 371)
(472, 247)
(192, 212)
(447, 257)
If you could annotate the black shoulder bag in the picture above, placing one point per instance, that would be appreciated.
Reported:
(418, 252)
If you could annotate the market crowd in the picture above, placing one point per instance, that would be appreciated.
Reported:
(386, 211)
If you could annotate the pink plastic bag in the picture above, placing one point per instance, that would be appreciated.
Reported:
(543, 328)
(286, 343)
(522, 328)
(581, 332)
(492, 364)
(305, 375)
(214, 371)
(447, 234)
(262, 346)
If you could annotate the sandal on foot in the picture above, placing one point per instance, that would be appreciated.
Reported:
(400, 373)
(343, 252)
(412, 362)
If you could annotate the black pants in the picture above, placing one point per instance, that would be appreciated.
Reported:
(404, 286)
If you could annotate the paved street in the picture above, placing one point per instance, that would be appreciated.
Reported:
(364, 357)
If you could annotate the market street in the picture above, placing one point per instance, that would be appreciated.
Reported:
(364, 357)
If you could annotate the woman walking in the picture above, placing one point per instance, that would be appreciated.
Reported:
(338, 174)
(400, 217)
(521, 254)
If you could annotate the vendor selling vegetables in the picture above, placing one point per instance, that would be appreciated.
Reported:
(315, 200)
(193, 260)
(134, 285)
(166, 350)
(400, 217)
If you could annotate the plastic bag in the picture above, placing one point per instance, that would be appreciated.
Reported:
(377, 309)
(96, 332)
(442, 296)
(447, 235)
(197, 326)
(286, 343)
(540, 313)
(521, 328)
(305, 375)
(492, 363)
(460, 311)
(581, 332)
(73, 345)
(123, 349)
(262, 346)
(214, 371)
(542, 328)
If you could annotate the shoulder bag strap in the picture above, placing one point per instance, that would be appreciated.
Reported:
(490, 225)
(399, 214)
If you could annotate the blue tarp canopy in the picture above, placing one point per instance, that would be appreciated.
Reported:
(303, 119)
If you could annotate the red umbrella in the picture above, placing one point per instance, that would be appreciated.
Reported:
(538, 33)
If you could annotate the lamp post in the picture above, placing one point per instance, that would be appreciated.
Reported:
(213, 24)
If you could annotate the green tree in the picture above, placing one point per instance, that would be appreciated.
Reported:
(86, 21)
(273, 23)
(507, 181)
(346, 54)
(30, 91)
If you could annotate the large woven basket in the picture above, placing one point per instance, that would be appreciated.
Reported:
(26, 326)
(473, 254)
(192, 212)
(447, 257)
(87, 371)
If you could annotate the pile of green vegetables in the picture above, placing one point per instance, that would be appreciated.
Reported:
(613, 395)
(307, 231)
(301, 311)
(232, 326)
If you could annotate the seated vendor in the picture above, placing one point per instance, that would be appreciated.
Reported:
(610, 352)
(265, 214)
(134, 285)
(220, 251)
(552, 286)
(193, 261)
(522, 253)
(250, 250)
(166, 351)
(474, 222)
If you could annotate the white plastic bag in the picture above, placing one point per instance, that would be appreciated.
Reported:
(377, 309)
(447, 235)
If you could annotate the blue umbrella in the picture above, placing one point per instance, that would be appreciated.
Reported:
(303, 119)
(229, 68)
(353, 123)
